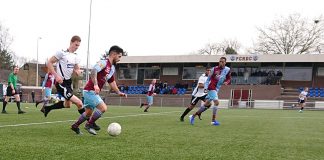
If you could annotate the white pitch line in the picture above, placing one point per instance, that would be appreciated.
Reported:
(53, 122)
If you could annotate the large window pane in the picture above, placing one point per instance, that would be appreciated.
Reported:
(298, 73)
(127, 73)
(192, 73)
(152, 73)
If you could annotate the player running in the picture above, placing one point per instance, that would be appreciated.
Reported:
(67, 62)
(218, 76)
(197, 94)
(149, 96)
(47, 87)
(302, 99)
(103, 71)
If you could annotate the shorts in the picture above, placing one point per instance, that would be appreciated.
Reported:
(91, 99)
(195, 100)
(48, 92)
(149, 100)
(301, 101)
(65, 89)
(212, 95)
(9, 92)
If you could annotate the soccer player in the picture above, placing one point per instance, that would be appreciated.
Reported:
(197, 94)
(149, 96)
(218, 76)
(302, 99)
(103, 71)
(12, 91)
(47, 87)
(67, 62)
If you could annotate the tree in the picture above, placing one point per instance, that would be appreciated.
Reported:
(5, 53)
(225, 47)
(290, 35)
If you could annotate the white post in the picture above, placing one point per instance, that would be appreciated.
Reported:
(88, 52)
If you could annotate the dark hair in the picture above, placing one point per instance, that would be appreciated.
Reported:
(75, 38)
(208, 67)
(116, 49)
(223, 58)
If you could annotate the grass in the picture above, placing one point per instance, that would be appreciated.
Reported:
(244, 134)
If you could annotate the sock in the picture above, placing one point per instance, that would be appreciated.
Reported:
(18, 106)
(57, 105)
(4, 105)
(96, 115)
(302, 108)
(81, 119)
(185, 112)
(81, 110)
(147, 107)
(201, 109)
(214, 113)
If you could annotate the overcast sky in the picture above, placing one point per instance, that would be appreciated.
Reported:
(141, 27)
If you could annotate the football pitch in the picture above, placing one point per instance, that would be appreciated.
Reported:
(244, 134)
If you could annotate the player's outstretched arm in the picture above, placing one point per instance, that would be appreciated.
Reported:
(113, 85)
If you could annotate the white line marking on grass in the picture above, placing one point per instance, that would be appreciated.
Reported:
(53, 122)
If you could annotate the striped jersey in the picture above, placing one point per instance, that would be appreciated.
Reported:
(48, 81)
(66, 63)
(105, 72)
(151, 90)
(199, 92)
(217, 77)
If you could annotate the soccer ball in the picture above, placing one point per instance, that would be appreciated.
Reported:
(114, 129)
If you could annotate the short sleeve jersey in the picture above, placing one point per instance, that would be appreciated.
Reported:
(66, 63)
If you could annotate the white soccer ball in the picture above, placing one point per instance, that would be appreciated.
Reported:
(114, 129)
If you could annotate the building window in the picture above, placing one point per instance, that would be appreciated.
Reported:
(192, 73)
(127, 74)
(152, 73)
(26, 67)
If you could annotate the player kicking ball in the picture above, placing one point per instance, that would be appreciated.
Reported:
(103, 71)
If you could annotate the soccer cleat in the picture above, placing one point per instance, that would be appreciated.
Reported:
(4, 112)
(145, 110)
(181, 119)
(215, 123)
(46, 111)
(96, 127)
(142, 104)
(191, 119)
(300, 111)
(89, 128)
(21, 112)
(37, 103)
(43, 109)
(76, 130)
(199, 116)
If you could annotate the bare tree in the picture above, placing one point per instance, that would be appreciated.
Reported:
(5, 53)
(290, 35)
(220, 48)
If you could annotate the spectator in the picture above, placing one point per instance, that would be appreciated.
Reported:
(165, 84)
(174, 90)
(33, 96)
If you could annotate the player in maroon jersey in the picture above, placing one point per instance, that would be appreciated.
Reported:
(102, 72)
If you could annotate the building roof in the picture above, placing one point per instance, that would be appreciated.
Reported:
(230, 58)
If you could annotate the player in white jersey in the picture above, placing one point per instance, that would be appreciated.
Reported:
(197, 94)
(67, 62)
(302, 99)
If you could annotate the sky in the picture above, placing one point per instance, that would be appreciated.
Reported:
(141, 27)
